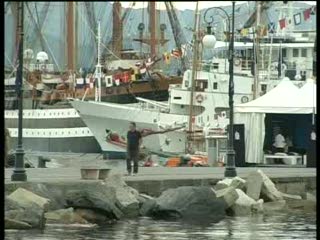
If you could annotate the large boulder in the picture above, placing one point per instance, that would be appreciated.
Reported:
(228, 195)
(269, 190)
(258, 206)
(56, 192)
(29, 214)
(147, 207)
(23, 206)
(238, 182)
(254, 185)
(97, 197)
(243, 205)
(24, 197)
(14, 224)
(224, 183)
(126, 197)
(235, 182)
(189, 203)
(65, 216)
(142, 198)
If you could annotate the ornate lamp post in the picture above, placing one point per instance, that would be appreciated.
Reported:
(19, 173)
(209, 41)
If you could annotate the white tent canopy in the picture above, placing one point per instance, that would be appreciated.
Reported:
(285, 98)
(307, 96)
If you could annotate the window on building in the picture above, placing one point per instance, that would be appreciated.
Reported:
(303, 52)
(284, 53)
(215, 86)
(263, 87)
(295, 52)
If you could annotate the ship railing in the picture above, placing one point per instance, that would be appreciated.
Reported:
(152, 105)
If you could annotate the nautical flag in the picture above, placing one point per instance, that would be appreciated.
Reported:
(262, 31)
(282, 23)
(271, 27)
(306, 14)
(244, 31)
(126, 77)
(313, 10)
(177, 53)
(297, 18)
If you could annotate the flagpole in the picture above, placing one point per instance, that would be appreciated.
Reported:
(270, 58)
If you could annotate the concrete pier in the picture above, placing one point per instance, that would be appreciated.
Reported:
(154, 180)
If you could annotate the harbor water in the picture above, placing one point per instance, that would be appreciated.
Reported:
(280, 226)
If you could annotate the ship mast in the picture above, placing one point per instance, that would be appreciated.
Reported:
(153, 40)
(117, 29)
(193, 72)
(70, 37)
(152, 27)
(257, 51)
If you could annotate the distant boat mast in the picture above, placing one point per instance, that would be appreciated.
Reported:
(70, 37)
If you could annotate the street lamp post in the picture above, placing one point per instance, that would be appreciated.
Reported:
(19, 173)
(209, 41)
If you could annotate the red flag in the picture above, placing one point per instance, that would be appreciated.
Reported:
(306, 14)
(282, 23)
(126, 77)
(176, 53)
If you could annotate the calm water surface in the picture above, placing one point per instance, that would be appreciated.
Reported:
(284, 226)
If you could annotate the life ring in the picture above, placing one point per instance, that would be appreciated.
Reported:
(237, 62)
(199, 98)
(244, 99)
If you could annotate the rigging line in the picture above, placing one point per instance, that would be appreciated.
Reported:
(9, 60)
(39, 24)
(46, 14)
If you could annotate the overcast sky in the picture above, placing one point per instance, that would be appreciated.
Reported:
(192, 5)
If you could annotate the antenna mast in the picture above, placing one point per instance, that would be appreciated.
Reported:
(98, 72)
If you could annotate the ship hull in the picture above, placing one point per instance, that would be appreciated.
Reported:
(116, 118)
(51, 130)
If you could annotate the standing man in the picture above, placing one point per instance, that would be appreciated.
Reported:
(134, 140)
